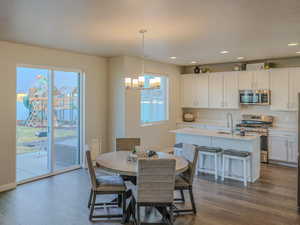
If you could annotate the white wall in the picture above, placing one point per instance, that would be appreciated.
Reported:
(156, 136)
(12, 54)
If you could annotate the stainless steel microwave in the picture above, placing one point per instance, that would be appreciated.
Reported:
(255, 97)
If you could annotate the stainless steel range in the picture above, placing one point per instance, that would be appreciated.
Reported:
(258, 124)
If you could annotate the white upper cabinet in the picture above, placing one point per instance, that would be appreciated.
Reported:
(294, 88)
(187, 90)
(194, 90)
(285, 86)
(260, 79)
(216, 91)
(231, 93)
(245, 80)
(201, 84)
(279, 84)
(252, 80)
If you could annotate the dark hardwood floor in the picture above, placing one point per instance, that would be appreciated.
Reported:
(62, 200)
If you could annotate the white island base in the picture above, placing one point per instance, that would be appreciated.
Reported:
(202, 137)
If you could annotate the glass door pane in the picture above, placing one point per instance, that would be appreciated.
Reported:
(66, 119)
(32, 142)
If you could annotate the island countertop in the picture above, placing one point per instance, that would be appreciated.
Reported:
(214, 133)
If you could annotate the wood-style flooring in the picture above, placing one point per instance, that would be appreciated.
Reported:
(62, 200)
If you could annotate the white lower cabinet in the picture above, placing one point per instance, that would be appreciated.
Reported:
(278, 148)
(283, 148)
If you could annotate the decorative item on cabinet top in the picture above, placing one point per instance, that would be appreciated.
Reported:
(188, 117)
(198, 69)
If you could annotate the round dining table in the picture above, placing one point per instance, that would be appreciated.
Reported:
(118, 162)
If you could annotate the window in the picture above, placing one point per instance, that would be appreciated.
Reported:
(154, 103)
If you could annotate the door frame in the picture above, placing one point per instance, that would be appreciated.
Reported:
(81, 122)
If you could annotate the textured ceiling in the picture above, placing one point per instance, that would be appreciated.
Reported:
(190, 30)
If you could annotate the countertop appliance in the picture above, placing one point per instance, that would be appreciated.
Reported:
(188, 117)
(258, 124)
(255, 97)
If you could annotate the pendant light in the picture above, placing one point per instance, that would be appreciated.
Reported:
(139, 83)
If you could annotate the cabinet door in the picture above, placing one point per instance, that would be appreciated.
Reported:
(245, 80)
(187, 90)
(261, 79)
(278, 148)
(231, 92)
(293, 152)
(201, 91)
(216, 90)
(279, 81)
(294, 88)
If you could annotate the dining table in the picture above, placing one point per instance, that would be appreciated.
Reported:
(122, 163)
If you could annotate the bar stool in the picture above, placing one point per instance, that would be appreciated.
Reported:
(229, 155)
(205, 152)
(177, 149)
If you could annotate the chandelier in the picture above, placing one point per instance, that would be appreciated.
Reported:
(139, 83)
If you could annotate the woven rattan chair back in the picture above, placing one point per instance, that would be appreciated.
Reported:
(127, 144)
(190, 153)
(91, 170)
(156, 180)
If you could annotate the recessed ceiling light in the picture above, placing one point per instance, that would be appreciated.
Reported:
(193, 62)
(293, 44)
(240, 57)
(173, 57)
(224, 52)
(298, 52)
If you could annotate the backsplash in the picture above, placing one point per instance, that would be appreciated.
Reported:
(281, 119)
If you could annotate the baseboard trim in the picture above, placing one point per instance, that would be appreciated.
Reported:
(7, 187)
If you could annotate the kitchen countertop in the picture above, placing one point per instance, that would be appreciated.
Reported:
(213, 133)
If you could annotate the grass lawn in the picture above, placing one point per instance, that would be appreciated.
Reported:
(28, 134)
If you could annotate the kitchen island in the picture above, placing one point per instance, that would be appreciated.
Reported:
(224, 140)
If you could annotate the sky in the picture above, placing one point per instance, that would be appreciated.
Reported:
(27, 77)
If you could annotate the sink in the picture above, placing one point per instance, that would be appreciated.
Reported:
(223, 132)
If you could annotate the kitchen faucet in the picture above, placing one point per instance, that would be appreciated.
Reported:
(229, 115)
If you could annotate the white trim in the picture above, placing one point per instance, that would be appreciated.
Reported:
(82, 118)
(52, 158)
(56, 68)
(49, 175)
(7, 187)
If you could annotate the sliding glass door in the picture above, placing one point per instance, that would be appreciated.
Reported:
(48, 121)
(66, 112)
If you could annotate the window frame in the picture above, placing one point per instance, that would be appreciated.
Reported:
(167, 95)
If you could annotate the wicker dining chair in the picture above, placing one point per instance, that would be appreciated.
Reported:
(155, 187)
(184, 181)
(103, 185)
(127, 144)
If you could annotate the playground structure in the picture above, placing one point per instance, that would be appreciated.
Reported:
(65, 105)
(64, 110)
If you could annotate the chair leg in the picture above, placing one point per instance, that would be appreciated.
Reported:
(216, 167)
(119, 200)
(171, 215)
(124, 207)
(90, 198)
(223, 168)
(192, 200)
(138, 215)
(182, 196)
(92, 206)
(245, 172)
